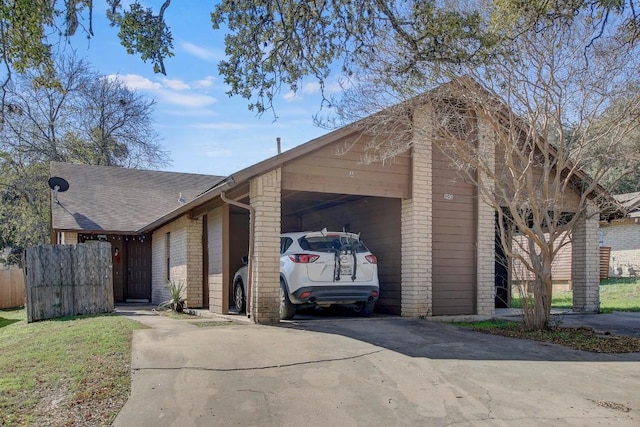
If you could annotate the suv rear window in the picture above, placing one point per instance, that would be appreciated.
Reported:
(285, 242)
(331, 244)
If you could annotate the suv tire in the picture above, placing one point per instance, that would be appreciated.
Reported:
(365, 308)
(287, 309)
(238, 296)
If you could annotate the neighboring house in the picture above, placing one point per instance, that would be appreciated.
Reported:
(623, 237)
(112, 204)
(434, 238)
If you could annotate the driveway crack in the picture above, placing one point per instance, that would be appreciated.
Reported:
(258, 368)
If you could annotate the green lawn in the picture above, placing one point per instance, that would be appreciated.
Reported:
(70, 371)
(621, 294)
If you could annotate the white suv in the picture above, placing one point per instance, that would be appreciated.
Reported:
(321, 268)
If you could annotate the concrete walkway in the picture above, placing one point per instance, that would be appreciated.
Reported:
(383, 371)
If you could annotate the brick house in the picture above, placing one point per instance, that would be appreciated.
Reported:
(112, 204)
(623, 237)
(434, 237)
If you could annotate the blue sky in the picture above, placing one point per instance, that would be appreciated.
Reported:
(203, 129)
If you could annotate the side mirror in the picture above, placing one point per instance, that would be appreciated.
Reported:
(245, 260)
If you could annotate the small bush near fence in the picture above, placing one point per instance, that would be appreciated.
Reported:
(67, 280)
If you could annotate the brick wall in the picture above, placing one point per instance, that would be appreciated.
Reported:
(215, 230)
(265, 196)
(485, 303)
(586, 266)
(416, 224)
(186, 260)
(624, 241)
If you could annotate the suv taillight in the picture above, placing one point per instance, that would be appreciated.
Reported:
(303, 258)
(371, 258)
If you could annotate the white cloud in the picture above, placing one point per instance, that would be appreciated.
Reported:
(292, 97)
(337, 86)
(169, 91)
(136, 82)
(199, 112)
(200, 52)
(311, 88)
(194, 100)
(175, 84)
(334, 86)
(206, 82)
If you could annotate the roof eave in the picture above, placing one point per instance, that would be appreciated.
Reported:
(246, 174)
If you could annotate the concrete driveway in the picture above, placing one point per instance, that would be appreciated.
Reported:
(382, 371)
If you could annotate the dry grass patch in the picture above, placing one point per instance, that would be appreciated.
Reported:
(582, 338)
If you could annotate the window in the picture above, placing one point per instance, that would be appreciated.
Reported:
(285, 242)
(167, 251)
(331, 243)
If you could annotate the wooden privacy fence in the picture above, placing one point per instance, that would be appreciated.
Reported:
(605, 255)
(67, 280)
(11, 288)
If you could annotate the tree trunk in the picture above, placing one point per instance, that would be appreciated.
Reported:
(538, 317)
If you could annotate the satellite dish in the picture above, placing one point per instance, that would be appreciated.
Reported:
(58, 184)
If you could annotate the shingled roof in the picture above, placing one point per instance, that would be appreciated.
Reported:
(120, 200)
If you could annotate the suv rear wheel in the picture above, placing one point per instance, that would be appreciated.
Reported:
(365, 308)
(287, 309)
(238, 296)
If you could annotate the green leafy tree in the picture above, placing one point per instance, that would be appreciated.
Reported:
(273, 44)
(87, 118)
(618, 158)
(24, 207)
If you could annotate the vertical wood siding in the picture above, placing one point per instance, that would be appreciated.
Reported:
(560, 268)
(326, 171)
(214, 251)
(454, 240)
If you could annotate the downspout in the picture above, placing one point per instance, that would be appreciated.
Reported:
(252, 221)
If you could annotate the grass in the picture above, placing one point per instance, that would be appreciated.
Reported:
(64, 372)
(620, 294)
(578, 338)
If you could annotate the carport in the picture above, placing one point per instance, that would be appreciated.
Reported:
(307, 190)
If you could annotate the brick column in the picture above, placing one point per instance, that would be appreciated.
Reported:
(194, 277)
(486, 232)
(416, 225)
(265, 196)
(585, 268)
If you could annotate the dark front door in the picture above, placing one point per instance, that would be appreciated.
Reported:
(138, 268)
(118, 270)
